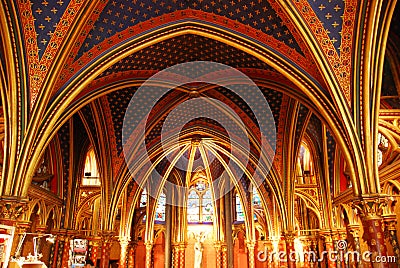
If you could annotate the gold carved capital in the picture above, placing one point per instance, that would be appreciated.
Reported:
(11, 209)
(371, 207)
(289, 236)
(354, 230)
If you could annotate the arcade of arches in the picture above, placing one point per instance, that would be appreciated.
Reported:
(211, 172)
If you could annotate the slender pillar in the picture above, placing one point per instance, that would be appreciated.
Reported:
(250, 253)
(65, 252)
(95, 246)
(132, 254)
(329, 249)
(40, 230)
(149, 254)
(218, 253)
(58, 254)
(168, 234)
(124, 242)
(354, 230)
(224, 255)
(22, 228)
(390, 226)
(306, 248)
(290, 250)
(105, 249)
(179, 255)
(370, 209)
(228, 228)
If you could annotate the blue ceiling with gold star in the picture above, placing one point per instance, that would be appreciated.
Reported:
(186, 48)
(47, 14)
(119, 15)
(330, 13)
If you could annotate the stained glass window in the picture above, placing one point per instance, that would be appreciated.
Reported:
(160, 210)
(207, 207)
(239, 209)
(256, 198)
(193, 211)
(143, 198)
(90, 173)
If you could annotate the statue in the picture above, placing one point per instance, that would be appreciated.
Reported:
(198, 250)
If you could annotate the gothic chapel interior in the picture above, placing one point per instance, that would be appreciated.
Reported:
(199, 133)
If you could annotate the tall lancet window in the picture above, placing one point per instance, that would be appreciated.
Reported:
(193, 205)
(91, 175)
(239, 209)
(200, 203)
(160, 210)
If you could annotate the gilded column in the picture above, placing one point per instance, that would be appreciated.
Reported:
(307, 248)
(105, 249)
(329, 249)
(124, 242)
(218, 253)
(354, 230)
(149, 254)
(58, 252)
(94, 252)
(224, 255)
(390, 226)
(41, 230)
(290, 250)
(132, 254)
(371, 216)
(65, 251)
(21, 229)
(179, 255)
(250, 250)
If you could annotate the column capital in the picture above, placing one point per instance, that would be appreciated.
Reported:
(326, 235)
(354, 230)
(390, 222)
(22, 226)
(11, 208)
(124, 240)
(370, 207)
(149, 244)
(179, 246)
(250, 244)
(289, 236)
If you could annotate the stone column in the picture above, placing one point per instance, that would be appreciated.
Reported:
(354, 230)
(329, 248)
(306, 248)
(370, 209)
(59, 249)
(218, 253)
(132, 254)
(105, 249)
(228, 227)
(390, 226)
(124, 242)
(65, 251)
(22, 228)
(94, 243)
(250, 253)
(179, 255)
(149, 254)
(290, 250)
(41, 230)
(224, 256)
(168, 232)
